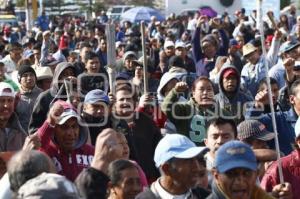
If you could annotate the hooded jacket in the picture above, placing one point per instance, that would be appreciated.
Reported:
(69, 165)
(189, 118)
(234, 103)
(13, 136)
(46, 98)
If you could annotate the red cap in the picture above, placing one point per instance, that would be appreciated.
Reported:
(269, 38)
(228, 72)
(63, 43)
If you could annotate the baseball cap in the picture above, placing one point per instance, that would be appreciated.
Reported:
(96, 95)
(6, 90)
(254, 129)
(48, 185)
(176, 146)
(235, 154)
(180, 44)
(248, 49)
(43, 73)
(169, 44)
(68, 113)
(228, 72)
(288, 46)
(27, 54)
(233, 42)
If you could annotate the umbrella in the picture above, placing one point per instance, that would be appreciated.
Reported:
(208, 11)
(139, 14)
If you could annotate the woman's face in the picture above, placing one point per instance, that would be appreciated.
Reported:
(129, 185)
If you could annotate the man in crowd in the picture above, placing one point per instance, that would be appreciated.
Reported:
(176, 157)
(235, 175)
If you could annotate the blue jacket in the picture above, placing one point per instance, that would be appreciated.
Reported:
(285, 126)
(203, 68)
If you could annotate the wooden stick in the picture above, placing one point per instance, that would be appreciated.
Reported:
(145, 67)
(272, 21)
(261, 29)
(111, 55)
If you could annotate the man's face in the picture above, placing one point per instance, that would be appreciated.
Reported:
(295, 100)
(124, 103)
(92, 65)
(97, 110)
(124, 143)
(129, 65)
(6, 107)
(209, 49)
(275, 91)
(37, 55)
(180, 51)
(230, 83)
(204, 93)
(84, 51)
(237, 183)
(103, 45)
(28, 80)
(252, 57)
(66, 135)
(68, 72)
(185, 172)
(129, 185)
(170, 51)
(259, 144)
(16, 53)
(217, 136)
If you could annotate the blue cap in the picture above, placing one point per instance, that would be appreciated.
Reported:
(176, 146)
(288, 46)
(235, 154)
(96, 95)
(27, 54)
(233, 42)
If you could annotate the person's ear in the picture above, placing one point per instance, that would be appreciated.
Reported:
(205, 141)
(298, 141)
(292, 99)
(167, 169)
(215, 174)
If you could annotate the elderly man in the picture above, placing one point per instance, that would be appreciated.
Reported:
(177, 159)
(235, 175)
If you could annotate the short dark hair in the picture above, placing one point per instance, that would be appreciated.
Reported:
(116, 167)
(264, 82)
(85, 44)
(26, 165)
(201, 78)
(293, 89)
(90, 55)
(221, 121)
(92, 184)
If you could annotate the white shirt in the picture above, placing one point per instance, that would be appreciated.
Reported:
(157, 189)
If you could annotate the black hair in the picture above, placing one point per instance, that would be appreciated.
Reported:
(264, 82)
(293, 89)
(222, 121)
(115, 170)
(84, 44)
(90, 55)
(92, 184)
(201, 78)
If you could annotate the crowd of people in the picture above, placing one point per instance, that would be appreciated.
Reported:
(202, 129)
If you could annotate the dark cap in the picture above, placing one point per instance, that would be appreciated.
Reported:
(176, 61)
(25, 69)
(254, 129)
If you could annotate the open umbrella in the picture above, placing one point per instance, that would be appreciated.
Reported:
(208, 11)
(139, 14)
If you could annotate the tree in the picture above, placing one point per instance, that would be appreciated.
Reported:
(284, 3)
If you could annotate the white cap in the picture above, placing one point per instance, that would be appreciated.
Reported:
(6, 90)
(168, 44)
(180, 44)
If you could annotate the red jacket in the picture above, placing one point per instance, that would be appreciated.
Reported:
(69, 165)
(291, 173)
